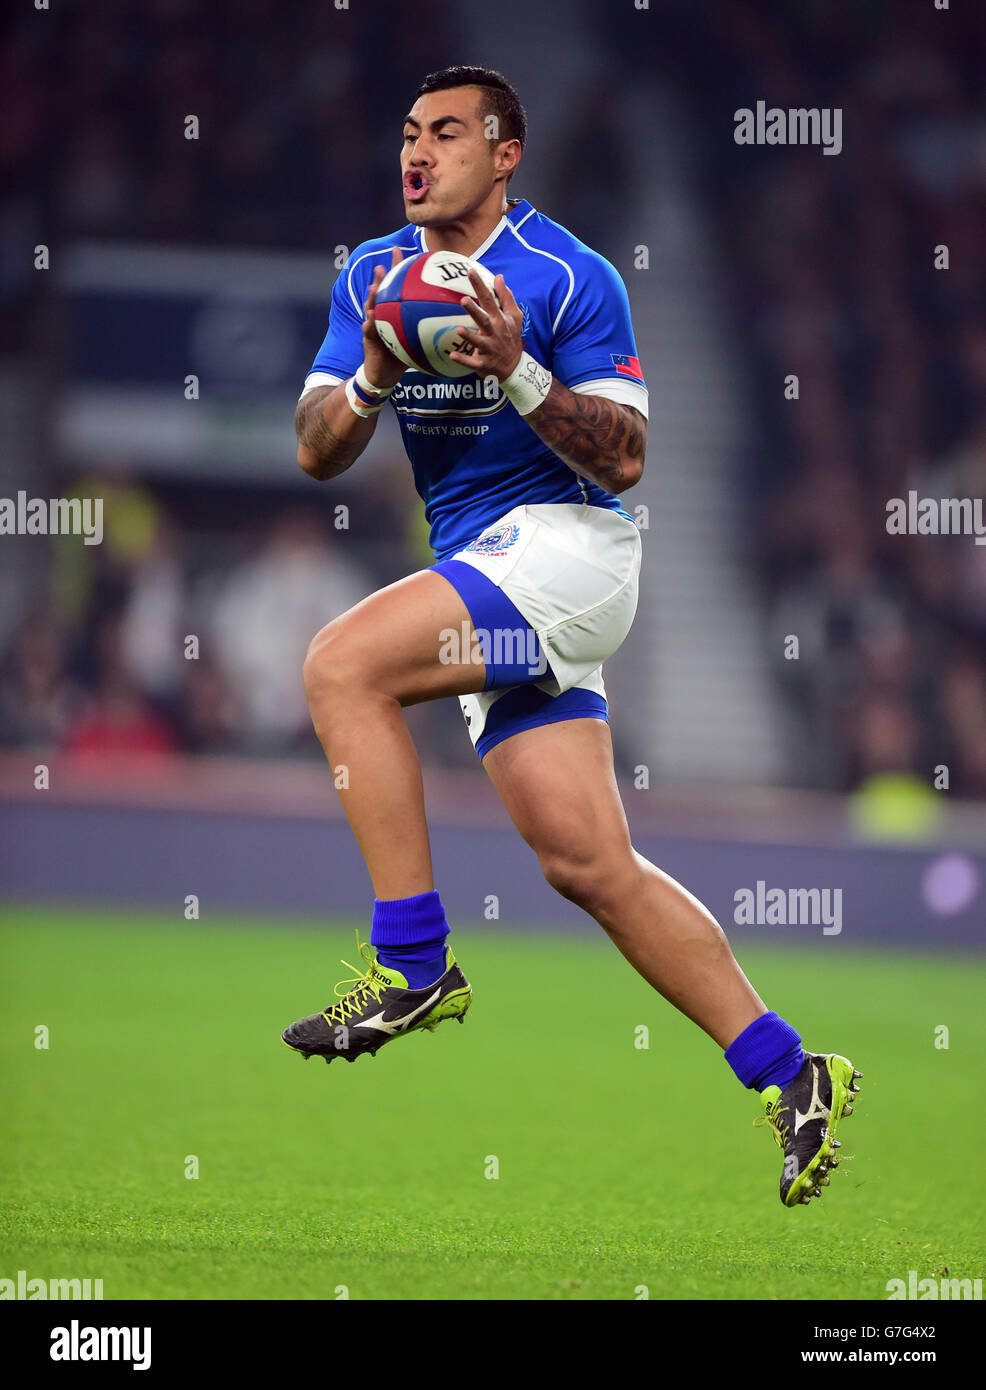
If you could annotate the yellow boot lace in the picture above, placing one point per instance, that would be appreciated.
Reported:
(355, 991)
(777, 1129)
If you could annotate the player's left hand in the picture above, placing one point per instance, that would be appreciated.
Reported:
(495, 341)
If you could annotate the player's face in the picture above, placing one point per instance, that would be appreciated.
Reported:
(447, 162)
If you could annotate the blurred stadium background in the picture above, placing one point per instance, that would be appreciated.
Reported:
(764, 517)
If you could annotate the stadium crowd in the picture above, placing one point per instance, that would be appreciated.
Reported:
(840, 281)
(97, 97)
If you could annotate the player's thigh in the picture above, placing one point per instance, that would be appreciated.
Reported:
(559, 787)
(412, 641)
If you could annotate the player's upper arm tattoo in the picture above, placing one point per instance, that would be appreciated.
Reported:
(601, 439)
(333, 454)
(309, 423)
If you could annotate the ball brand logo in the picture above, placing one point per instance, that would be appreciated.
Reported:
(452, 270)
(458, 345)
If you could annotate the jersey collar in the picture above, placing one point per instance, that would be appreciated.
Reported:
(514, 215)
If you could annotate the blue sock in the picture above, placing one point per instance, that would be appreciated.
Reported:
(409, 934)
(767, 1053)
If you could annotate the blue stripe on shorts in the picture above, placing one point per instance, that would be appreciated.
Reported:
(509, 644)
(527, 707)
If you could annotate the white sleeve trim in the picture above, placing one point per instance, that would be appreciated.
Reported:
(314, 379)
(619, 389)
(382, 252)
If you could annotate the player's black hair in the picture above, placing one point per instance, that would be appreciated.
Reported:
(499, 99)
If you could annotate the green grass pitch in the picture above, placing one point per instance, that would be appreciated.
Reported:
(620, 1168)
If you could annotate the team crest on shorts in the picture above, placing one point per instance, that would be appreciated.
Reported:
(495, 543)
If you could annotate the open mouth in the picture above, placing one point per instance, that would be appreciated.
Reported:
(416, 185)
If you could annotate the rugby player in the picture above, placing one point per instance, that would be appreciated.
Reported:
(521, 486)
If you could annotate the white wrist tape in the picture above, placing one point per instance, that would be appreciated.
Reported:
(366, 411)
(365, 384)
(527, 385)
(366, 399)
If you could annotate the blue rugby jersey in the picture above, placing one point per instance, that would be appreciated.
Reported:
(473, 457)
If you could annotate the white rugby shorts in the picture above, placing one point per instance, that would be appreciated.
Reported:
(572, 572)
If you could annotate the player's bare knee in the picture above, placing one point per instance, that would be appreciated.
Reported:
(594, 880)
(576, 877)
(330, 666)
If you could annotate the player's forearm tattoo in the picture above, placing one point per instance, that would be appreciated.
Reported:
(333, 454)
(602, 440)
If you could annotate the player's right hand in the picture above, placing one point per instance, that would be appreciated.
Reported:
(381, 366)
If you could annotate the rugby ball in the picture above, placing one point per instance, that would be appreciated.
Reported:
(417, 310)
